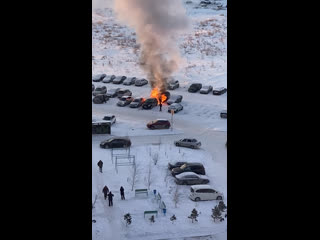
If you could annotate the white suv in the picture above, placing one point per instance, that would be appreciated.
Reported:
(204, 192)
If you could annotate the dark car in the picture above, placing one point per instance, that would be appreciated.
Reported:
(219, 91)
(141, 82)
(116, 142)
(167, 94)
(173, 84)
(98, 77)
(99, 90)
(195, 87)
(100, 98)
(189, 167)
(108, 78)
(113, 92)
(223, 114)
(159, 124)
(175, 165)
(124, 101)
(175, 99)
(137, 102)
(124, 92)
(119, 79)
(190, 178)
(129, 81)
(150, 103)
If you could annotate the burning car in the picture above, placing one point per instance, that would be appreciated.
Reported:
(137, 102)
(159, 124)
(150, 103)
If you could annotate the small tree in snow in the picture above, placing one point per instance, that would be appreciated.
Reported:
(149, 179)
(152, 219)
(194, 215)
(155, 158)
(176, 196)
(95, 199)
(216, 213)
(222, 206)
(173, 218)
(127, 218)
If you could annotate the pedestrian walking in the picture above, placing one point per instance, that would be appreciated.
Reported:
(110, 197)
(122, 193)
(100, 164)
(105, 191)
(160, 105)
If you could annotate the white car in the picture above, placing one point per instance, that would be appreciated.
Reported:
(110, 118)
(204, 192)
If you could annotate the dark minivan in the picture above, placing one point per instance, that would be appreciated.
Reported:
(116, 142)
(189, 167)
(150, 103)
(195, 87)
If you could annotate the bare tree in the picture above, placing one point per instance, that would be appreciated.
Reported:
(166, 177)
(149, 177)
(176, 196)
(95, 199)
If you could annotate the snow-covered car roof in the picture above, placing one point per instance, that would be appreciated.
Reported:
(162, 120)
(219, 89)
(200, 186)
(184, 174)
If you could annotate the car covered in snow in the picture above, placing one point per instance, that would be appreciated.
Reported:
(188, 142)
(203, 193)
(124, 101)
(140, 82)
(175, 165)
(137, 102)
(112, 92)
(100, 98)
(116, 142)
(129, 81)
(190, 178)
(189, 167)
(99, 90)
(110, 118)
(108, 78)
(124, 92)
(195, 87)
(175, 99)
(159, 124)
(206, 89)
(150, 103)
(173, 84)
(219, 91)
(98, 77)
(119, 79)
(223, 114)
(176, 107)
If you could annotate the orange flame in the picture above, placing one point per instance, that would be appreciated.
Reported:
(155, 93)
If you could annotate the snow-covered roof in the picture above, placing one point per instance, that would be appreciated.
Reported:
(200, 186)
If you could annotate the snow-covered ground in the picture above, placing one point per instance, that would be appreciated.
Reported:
(203, 49)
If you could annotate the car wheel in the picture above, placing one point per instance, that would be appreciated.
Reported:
(219, 198)
(197, 199)
(177, 144)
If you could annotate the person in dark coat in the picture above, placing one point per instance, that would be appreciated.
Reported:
(110, 196)
(160, 105)
(100, 164)
(105, 191)
(122, 193)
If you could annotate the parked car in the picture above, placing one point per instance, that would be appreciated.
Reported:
(175, 99)
(167, 94)
(141, 82)
(190, 178)
(100, 98)
(204, 192)
(188, 142)
(119, 79)
(223, 114)
(219, 91)
(93, 87)
(206, 89)
(189, 167)
(124, 101)
(108, 78)
(129, 81)
(99, 90)
(98, 77)
(110, 118)
(150, 103)
(113, 92)
(176, 107)
(175, 165)
(124, 92)
(116, 142)
(195, 87)
(159, 124)
(173, 84)
(137, 102)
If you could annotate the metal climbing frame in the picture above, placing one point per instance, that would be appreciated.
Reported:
(130, 161)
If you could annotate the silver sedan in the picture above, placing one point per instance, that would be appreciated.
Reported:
(188, 142)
